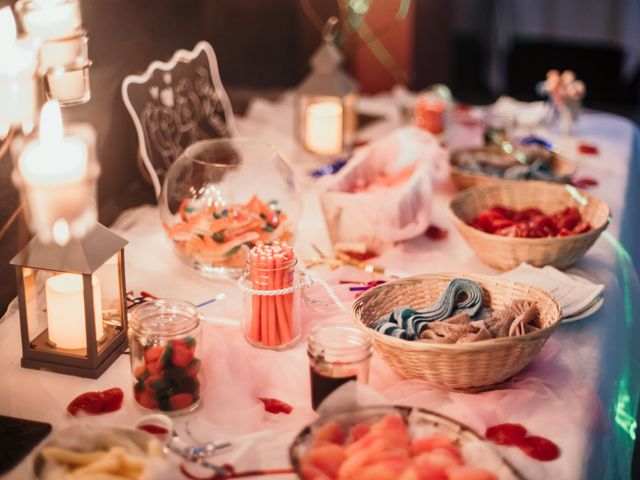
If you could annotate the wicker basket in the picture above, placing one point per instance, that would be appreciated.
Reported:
(462, 366)
(505, 253)
(464, 179)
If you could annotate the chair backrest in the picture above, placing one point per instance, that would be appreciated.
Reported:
(176, 103)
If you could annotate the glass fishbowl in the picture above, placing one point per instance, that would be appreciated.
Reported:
(221, 197)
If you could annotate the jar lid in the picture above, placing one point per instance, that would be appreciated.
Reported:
(165, 317)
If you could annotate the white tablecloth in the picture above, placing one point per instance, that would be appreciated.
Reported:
(581, 391)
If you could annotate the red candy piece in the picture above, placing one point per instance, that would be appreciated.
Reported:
(436, 233)
(180, 401)
(182, 355)
(153, 429)
(506, 434)
(152, 354)
(587, 149)
(360, 257)
(584, 182)
(539, 448)
(95, 403)
(273, 405)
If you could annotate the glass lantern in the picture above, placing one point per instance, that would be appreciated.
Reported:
(326, 102)
(72, 300)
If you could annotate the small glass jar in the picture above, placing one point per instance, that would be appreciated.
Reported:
(337, 355)
(165, 339)
(272, 321)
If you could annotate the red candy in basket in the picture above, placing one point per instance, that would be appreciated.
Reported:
(530, 222)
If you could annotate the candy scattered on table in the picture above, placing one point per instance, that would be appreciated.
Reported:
(222, 235)
(273, 405)
(95, 403)
(436, 233)
(588, 149)
(584, 182)
(168, 378)
(514, 434)
(385, 450)
(530, 222)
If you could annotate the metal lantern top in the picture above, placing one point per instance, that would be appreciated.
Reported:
(327, 77)
(80, 255)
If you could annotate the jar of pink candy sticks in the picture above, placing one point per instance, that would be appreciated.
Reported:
(272, 298)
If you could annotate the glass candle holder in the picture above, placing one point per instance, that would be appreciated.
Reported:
(49, 19)
(272, 321)
(165, 339)
(337, 355)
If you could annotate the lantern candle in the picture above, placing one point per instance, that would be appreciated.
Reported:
(323, 132)
(53, 171)
(65, 310)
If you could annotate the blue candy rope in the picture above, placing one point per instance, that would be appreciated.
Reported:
(407, 323)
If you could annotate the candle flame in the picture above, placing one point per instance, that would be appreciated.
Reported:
(8, 33)
(51, 130)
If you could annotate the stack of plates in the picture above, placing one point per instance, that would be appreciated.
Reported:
(578, 297)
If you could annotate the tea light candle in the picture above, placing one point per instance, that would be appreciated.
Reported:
(17, 77)
(50, 19)
(68, 87)
(323, 132)
(53, 171)
(65, 310)
(54, 159)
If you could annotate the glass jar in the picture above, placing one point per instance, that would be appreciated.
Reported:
(165, 339)
(337, 354)
(223, 196)
(271, 321)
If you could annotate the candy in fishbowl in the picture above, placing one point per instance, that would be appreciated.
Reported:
(222, 197)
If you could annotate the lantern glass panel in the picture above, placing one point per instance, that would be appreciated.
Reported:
(327, 124)
(112, 289)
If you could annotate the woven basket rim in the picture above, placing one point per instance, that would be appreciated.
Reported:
(470, 346)
(511, 184)
(453, 166)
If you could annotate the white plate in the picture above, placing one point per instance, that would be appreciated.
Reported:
(585, 313)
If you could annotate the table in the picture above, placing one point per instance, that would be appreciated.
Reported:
(581, 391)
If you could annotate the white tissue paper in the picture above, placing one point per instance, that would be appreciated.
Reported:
(375, 219)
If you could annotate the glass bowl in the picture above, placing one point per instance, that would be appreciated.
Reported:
(223, 196)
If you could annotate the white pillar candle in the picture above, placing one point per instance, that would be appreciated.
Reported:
(50, 19)
(109, 283)
(54, 170)
(323, 128)
(65, 310)
(18, 62)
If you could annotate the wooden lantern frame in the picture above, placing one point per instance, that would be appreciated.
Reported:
(83, 256)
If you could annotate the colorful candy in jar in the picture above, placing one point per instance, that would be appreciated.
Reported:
(168, 378)
(222, 234)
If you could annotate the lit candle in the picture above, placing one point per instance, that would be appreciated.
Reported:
(323, 131)
(17, 77)
(51, 19)
(110, 283)
(65, 310)
(68, 87)
(54, 170)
